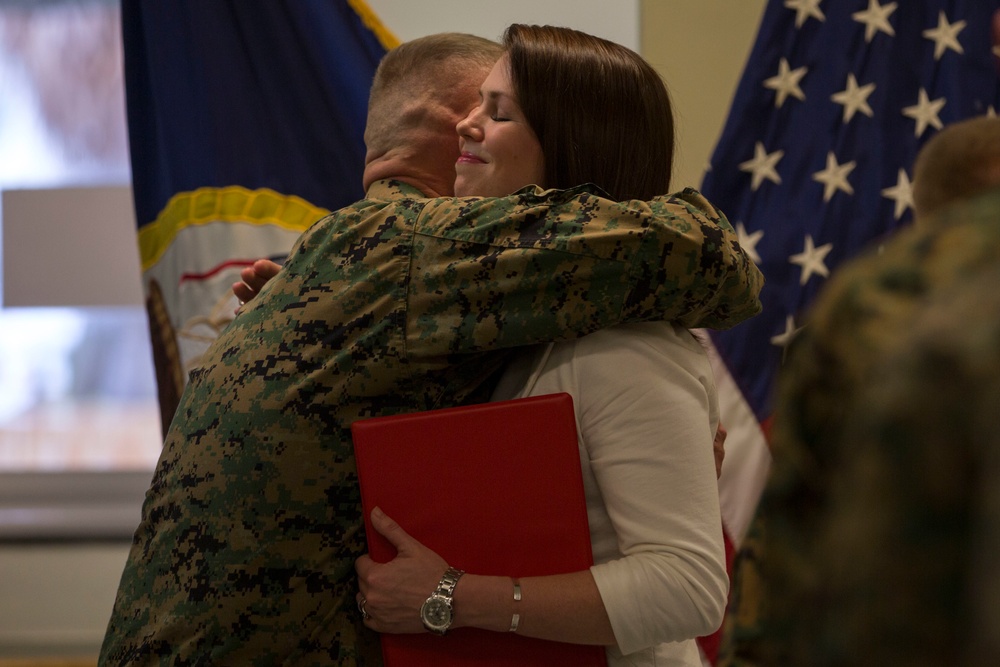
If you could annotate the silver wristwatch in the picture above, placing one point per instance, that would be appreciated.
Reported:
(437, 612)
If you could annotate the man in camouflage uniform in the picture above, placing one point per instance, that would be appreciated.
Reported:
(395, 304)
(823, 441)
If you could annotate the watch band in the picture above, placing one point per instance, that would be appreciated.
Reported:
(448, 582)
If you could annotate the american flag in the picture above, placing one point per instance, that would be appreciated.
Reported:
(815, 163)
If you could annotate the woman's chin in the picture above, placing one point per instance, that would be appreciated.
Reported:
(467, 187)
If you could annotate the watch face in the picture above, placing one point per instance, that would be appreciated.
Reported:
(436, 613)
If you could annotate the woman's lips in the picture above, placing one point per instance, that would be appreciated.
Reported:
(469, 158)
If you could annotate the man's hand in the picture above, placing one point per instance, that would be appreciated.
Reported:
(254, 278)
(719, 448)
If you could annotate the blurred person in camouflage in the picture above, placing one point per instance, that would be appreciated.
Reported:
(398, 303)
(829, 596)
(907, 544)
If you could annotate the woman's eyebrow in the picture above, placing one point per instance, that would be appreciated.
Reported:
(492, 95)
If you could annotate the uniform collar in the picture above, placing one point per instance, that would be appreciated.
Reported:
(392, 189)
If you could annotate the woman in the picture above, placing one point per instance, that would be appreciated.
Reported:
(645, 402)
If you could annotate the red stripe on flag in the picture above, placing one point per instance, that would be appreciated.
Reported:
(214, 270)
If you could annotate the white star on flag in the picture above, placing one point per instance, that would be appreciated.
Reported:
(749, 241)
(804, 9)
(945, 36)
(854, 98)
(901, 193)
(786, 82)
(925, 112)
(784, 339)
(876, 18)
(834, 177)
(811, 259)
(762, 166)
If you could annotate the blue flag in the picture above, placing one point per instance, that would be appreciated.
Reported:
(246, 123)
(815, 163)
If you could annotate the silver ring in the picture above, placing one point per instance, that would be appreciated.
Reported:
(361, 607)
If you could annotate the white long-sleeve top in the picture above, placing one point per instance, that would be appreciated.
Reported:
(646, 413)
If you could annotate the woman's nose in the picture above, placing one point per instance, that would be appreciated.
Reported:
(469, 126)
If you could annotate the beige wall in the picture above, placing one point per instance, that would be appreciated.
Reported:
(617, 20)
(700, 47)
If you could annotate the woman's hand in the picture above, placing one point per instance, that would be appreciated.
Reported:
(393, 592)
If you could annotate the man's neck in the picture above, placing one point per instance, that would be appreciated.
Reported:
(407, 171)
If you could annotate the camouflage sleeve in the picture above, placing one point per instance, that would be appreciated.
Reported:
(692, 269)
(558, 264)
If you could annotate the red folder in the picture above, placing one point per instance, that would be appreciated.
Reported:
(495, 489)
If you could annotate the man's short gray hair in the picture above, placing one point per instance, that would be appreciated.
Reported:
(425, 68)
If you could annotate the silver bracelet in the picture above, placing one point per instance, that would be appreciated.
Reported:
(515, 620)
